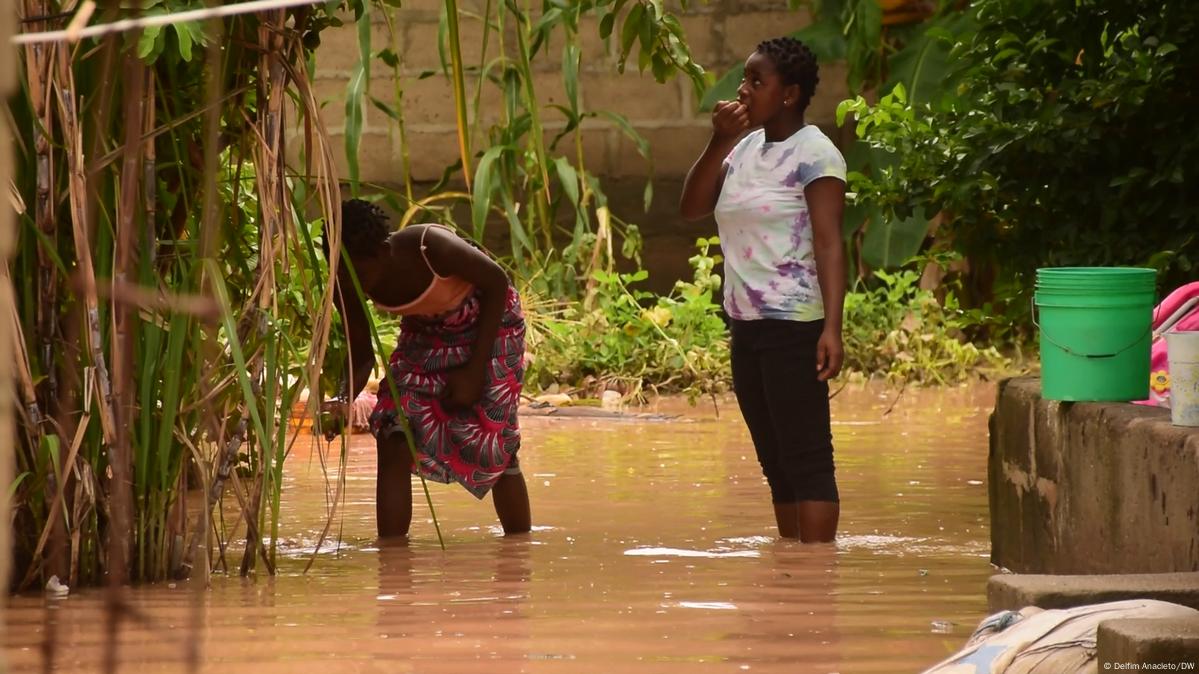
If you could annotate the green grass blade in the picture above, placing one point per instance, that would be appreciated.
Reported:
(458, 77)
(356, 92)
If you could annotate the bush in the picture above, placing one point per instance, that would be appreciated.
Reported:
(1069, 139)
(900, 332)
(631, 340)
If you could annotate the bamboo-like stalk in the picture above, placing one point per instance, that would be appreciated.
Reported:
(64, 83)
(80, 194)
(269, 173)
(8, 304)
(124, 316)
(24, 375)
(37, 65)
(149, 173)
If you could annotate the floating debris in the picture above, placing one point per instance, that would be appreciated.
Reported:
(942, 627)
(56, 589)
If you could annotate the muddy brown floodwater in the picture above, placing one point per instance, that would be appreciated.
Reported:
(653, 552)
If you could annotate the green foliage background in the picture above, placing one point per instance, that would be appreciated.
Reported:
(1064, 138)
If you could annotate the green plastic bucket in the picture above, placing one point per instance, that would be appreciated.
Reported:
(1095, 332)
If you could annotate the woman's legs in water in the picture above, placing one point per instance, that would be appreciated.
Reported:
(393, 492)
(799, 412)
(751, 398)
(786, 409)
(393, 486)
(818, 520)
(511, 499)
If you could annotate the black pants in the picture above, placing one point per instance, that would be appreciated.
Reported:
(785, 407)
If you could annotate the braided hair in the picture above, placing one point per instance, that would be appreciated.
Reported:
(364, 228)
(795, 63)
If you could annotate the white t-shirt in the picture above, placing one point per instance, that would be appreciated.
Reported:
(764, 225)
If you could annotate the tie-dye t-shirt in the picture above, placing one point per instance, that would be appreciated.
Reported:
(765, 229)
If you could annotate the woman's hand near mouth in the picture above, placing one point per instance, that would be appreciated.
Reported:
(729, 119)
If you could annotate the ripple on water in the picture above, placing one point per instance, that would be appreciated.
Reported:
(911, 545)
(679, 552)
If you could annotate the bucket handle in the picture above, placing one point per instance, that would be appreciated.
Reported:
(1096, 356)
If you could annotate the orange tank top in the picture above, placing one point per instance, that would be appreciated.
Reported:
(444, 292)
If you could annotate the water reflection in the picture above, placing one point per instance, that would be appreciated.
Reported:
(653, 552)
(439, 614)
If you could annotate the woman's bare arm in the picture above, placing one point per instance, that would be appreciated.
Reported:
(704, 181)
(826, 205)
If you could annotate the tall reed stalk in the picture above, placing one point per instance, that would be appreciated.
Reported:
(171, 322)
(10, 337)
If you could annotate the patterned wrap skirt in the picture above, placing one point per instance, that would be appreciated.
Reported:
(472, 447)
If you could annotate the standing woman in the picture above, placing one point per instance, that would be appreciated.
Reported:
(778, 195)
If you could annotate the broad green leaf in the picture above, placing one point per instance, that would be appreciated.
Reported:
(606, 24)
(890, 243)
(725, 88)
(483, 187)
(569, 178)
(389, 57)
(824, 38)
(629, 131)
(869, 16)
(570, 75)
(630, 30)
(185, 42)
(146, 43)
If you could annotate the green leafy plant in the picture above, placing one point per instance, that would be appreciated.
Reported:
(1064, 143)
(634, 341)
(523, 178)
(898, 332)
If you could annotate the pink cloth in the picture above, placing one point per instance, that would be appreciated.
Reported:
(475, 446)
(1159, 369)
(360, 411)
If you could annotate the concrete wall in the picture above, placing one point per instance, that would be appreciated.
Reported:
(720, 34)
(1078, 488)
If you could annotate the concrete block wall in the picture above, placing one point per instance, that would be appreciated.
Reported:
(1090, 488)
(720, 34)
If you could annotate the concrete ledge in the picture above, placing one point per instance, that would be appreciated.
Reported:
(1078, 488)
(1015, 591)
(1165, 641)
